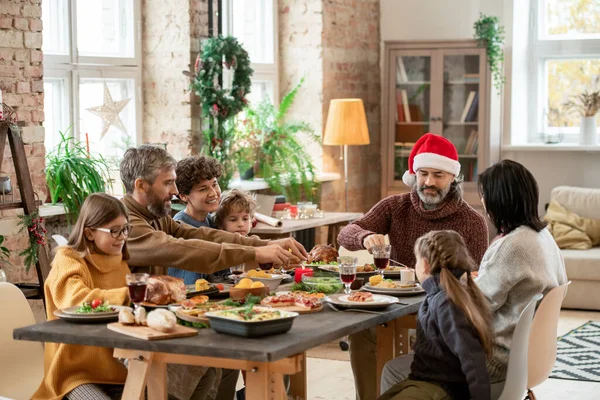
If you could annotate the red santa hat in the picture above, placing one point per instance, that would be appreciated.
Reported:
(431, 151)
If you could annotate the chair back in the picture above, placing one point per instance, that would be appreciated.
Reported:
(515, 385)
(542, 338)
(21, 362)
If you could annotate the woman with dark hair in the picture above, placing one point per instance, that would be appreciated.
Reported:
(522, 261)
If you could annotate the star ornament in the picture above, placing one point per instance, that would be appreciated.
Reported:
(109, 112)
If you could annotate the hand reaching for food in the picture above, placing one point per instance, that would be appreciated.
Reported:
(272, 254)
(292, 245)
(373, 240)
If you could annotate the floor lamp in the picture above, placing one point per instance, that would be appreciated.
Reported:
(346, 126)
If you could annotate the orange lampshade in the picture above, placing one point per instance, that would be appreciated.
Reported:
(346, 123)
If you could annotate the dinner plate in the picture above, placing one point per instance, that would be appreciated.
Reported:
(334, 268)
(273, 276)
(395, 291)
(73, 311)
(379, 301)
(100, 317)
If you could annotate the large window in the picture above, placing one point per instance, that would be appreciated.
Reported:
(254, 24)
(565, 57)
(90, 45)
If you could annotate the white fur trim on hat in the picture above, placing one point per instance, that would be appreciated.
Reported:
(436, 161)
(409, 179)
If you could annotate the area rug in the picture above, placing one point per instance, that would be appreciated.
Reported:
(329, 351)
(578, 355)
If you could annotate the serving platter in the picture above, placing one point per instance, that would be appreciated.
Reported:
(379, 301)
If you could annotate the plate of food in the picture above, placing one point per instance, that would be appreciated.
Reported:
(94, 307)
(319, 284)
(321, 255)
(197, 314)
(293, 301)
(253, 321)
(397, 288)
(203, 287)
(365, 300)
(86, 313)
(366, 269)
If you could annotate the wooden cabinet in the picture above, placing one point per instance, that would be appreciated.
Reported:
(442, 88)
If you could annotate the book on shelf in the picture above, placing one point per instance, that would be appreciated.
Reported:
(472, 113)
(471, 145)
(409, 133)
(399, 107)
(401, 76)
(405, 105)
(470, 99)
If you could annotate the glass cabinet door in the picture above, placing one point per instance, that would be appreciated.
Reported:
(460, 108)
(412, 104)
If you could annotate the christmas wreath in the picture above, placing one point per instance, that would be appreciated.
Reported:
(219, 52)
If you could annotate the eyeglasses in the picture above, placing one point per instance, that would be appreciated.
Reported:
(116, 232)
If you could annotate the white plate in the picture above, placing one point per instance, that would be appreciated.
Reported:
(273, 276)
(73, 311)
(100, 317)
(334, 268)
(379, 301)
(396, 291)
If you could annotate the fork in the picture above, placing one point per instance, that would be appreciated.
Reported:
(334, 308)
(399, 263)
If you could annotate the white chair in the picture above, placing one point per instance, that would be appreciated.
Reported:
(515, 385)
(21, 362)
(60, 240)
(541, 354)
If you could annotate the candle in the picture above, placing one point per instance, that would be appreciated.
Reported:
(87, 144)
(298, 272)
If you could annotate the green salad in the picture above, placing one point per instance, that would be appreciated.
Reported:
(327, 286)
(86, 308)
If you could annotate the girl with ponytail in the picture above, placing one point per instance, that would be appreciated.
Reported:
(454, 333)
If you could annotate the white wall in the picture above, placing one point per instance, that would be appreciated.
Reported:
(447, 20)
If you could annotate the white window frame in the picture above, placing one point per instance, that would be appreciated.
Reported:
(262, 71)
(73, 66)
(542, 49)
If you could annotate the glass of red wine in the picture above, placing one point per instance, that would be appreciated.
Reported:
(236, 271)
(347, 269)
(381, 257)
(137, 284)
(265, 266)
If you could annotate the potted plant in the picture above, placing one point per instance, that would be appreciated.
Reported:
(72, 174)
(490, 34)
(586, 104)
(4, 258)
(274, 148)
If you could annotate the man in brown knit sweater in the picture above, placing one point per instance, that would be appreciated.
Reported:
(435, 203)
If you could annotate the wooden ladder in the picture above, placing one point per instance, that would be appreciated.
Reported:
(28, 203)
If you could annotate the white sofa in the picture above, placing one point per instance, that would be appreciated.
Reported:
(583, 266)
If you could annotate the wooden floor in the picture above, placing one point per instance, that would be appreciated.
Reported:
(332, 379)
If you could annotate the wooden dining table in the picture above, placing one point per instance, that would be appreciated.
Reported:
(265, 359)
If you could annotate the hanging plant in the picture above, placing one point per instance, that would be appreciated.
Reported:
(490, 34)
(37, 238)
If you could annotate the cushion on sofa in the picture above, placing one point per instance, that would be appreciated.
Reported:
(584, 202)
(583, 264)
(570, 230)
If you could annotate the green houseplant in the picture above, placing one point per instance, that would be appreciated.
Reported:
(72, 174)
(274, 148)
(490, 34)
(4, 258)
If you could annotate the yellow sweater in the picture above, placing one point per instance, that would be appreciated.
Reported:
(72, 281)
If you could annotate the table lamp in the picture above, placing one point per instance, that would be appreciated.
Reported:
(346, 126)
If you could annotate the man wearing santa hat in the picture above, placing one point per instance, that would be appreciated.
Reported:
(434, 203)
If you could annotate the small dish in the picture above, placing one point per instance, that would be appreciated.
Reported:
(324, 284)
(273, 282)
(241, 293)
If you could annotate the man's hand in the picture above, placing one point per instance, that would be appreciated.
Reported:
(272, 254)
(373, 240)
(291, 244)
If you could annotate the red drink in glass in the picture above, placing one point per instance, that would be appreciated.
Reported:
(237, 272)
(137, 292)
(347, 278)
(265, 266)
(381, 263)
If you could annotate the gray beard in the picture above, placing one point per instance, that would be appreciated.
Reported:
(432, 202)
(158, 207)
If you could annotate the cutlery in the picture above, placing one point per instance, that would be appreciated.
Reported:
(399, 263)
(334, 308)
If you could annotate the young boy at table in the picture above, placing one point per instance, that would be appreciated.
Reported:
(197, 182)
(92, 266)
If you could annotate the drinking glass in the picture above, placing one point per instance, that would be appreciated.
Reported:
(265, 266)
(381, 257)
(137, 284)
(347, 268)
(236, 271)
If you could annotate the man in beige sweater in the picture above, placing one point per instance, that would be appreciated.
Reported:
(156, 240)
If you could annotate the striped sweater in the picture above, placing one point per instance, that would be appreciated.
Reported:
(73, 280)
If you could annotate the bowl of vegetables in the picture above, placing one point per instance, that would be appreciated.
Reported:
(321, 284)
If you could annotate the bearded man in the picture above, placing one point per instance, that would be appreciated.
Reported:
(156, 240)
(434, 203)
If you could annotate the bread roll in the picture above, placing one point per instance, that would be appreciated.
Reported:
(126, 317)
(140, 316)
(161, 320)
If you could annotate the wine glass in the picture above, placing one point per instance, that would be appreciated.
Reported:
(381, 256)
(347, 269)
(236, 271)
(265, 266)
(137, 284)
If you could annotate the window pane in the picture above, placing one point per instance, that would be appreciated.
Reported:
(55, 35)
(105, 28)
(115, 142)
(253, 26)
(566, 78)
(572, 18)
(261, 90)
(56, 110)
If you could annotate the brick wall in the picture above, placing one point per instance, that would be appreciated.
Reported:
(351, 53)
(21, 74)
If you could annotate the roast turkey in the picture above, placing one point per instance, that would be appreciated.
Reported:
(325, 253)
(164, 289)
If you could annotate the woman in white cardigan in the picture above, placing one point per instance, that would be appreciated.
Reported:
(522, 261)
